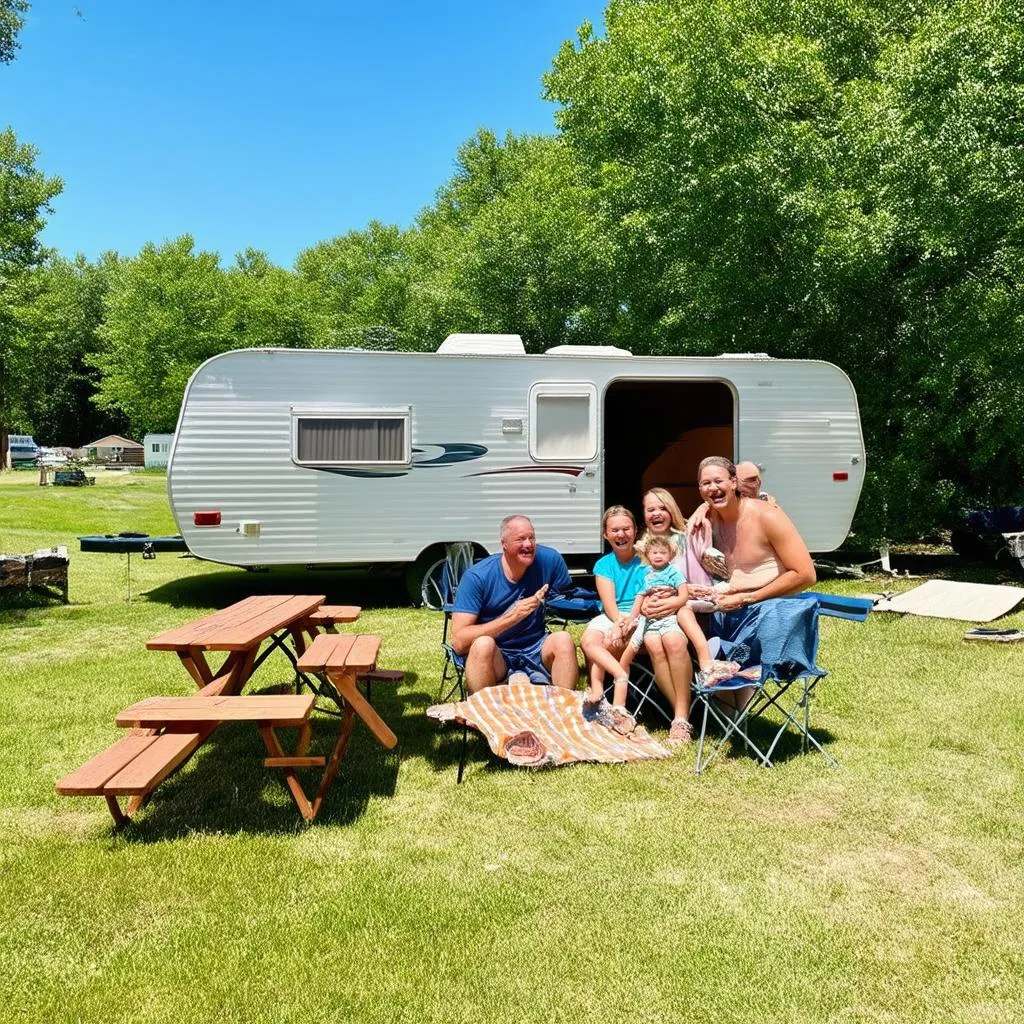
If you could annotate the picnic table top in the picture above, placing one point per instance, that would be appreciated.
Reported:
(239, 626)
(267, 709)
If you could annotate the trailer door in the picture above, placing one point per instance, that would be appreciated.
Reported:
(656, 432)
(564, 439)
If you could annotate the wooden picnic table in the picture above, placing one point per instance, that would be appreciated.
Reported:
(137, 763)
(240, 630)
(341, 658)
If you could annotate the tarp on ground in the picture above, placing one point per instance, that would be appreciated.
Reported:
(945, 599)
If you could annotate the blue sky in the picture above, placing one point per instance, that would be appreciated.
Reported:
(268, 125)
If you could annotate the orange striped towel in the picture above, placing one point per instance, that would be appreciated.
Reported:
(539, 725)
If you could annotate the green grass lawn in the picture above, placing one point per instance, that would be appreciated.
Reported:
(888, 889)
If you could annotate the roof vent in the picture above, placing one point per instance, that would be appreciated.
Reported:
(744, 355)
(587, 350)
(482, 345)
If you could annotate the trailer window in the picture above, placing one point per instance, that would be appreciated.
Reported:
(564, 422)
(352, 440)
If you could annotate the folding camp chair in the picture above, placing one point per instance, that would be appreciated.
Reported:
(577, 605)
(459, 559)
(581, 605)
(643, 693)
(574, 606)
(786, 644)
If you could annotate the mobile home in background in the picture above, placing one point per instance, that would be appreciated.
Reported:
(113, 451)
(347, 457)
(157, 449)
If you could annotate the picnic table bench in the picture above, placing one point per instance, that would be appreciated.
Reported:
(136, 764)
(341, 660)
(270, 711)
(327, 617)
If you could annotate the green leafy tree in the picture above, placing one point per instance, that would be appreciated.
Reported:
(839, 180)
(273, 307)
(11, 22)
(524, 249)
(59, 315)
(361, 284)
(25, 195)
(167, 310)
(943, 161)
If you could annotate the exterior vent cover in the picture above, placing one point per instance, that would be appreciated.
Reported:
(482, 345)
(587, 350)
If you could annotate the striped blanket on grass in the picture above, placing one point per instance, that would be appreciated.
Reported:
(544, 725)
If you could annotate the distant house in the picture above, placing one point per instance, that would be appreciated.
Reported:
(115, 450)
(158, 449)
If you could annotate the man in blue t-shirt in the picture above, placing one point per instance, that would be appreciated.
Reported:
(498, 615)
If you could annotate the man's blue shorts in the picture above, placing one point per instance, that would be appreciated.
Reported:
(528, 661)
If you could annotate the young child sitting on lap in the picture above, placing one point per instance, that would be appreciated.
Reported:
(657, 552)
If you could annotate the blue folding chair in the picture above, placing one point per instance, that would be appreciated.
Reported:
(576, 605)
(785, 644)
(856, 609)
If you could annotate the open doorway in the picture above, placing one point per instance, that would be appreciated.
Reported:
(657, 431)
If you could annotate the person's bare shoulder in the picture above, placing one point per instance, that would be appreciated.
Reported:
(780, 531)
(770, 518)
(772, 515)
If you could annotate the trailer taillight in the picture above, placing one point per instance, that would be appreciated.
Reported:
(208, 518)
(841, 475)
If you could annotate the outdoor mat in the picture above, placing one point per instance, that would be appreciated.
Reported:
(943, 599)
(544, 725)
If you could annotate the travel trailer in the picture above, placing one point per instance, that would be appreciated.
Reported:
(347, 457)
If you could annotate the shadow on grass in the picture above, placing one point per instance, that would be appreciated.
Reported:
(762, 732)
(17, 603)
(439, 743)
(219, 589)
(225, 788)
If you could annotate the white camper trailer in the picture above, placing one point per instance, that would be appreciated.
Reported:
(345, 457)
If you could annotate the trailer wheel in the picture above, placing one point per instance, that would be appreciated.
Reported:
(431, 593)
(423, 578)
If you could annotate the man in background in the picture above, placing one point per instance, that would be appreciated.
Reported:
(748, 482)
